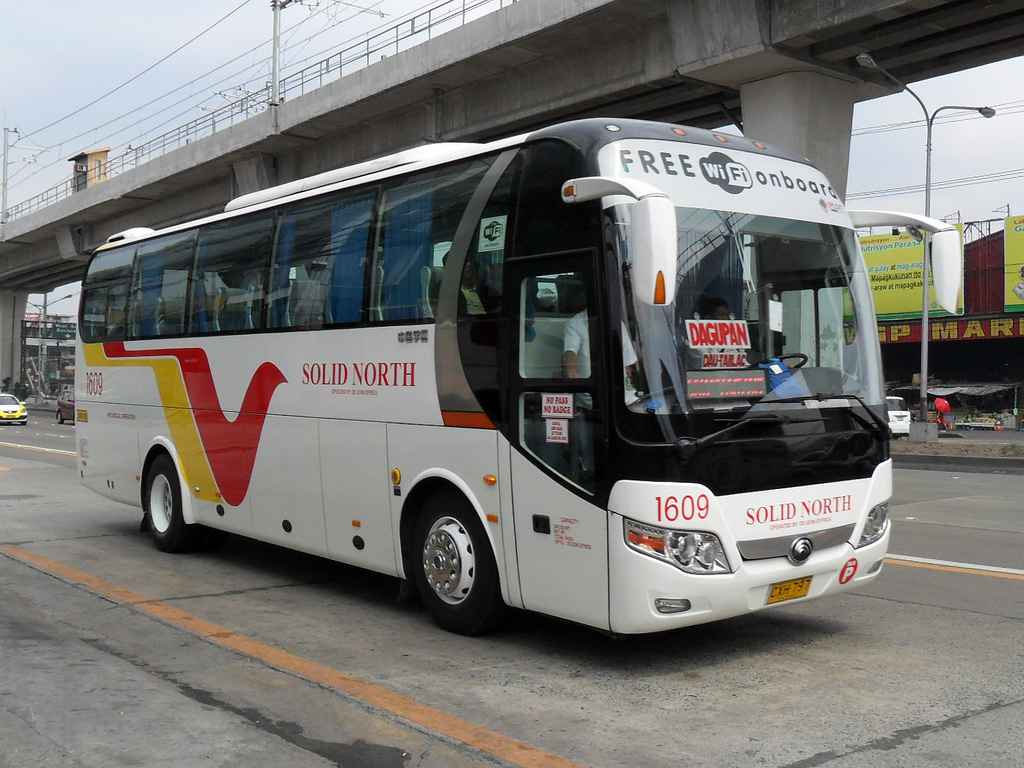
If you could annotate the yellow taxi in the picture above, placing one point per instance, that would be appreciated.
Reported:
(12, 410)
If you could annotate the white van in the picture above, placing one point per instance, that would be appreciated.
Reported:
(899, 416)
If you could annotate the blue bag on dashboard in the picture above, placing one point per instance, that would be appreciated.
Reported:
(780, 379)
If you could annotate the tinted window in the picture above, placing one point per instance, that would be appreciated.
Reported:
(230, 270)
(418, 223)
(319, 268)
(104, 306)
(160, 286)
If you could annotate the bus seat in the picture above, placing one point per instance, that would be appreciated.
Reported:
(160, 317)
(307, 303)
(250, 304)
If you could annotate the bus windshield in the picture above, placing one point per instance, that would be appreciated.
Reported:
(769, 313)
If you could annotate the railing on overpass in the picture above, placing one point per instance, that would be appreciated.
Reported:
(421, 27)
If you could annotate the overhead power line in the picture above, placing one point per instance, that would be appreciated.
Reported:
(140, 74)
(250, 73)
(916, 189)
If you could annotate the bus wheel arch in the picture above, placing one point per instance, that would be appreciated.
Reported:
(449, 557)
(164, 506)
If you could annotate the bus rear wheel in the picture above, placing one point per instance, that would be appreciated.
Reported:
(162, 499)
(454, 568)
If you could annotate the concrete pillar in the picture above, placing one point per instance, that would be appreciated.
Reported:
(808, 113)
(12, 312)
(253, 173)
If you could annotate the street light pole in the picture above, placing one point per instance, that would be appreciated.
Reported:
(42, 351)
(865, 60)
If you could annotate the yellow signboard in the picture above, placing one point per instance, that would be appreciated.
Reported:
(895, 265)
(1013, 264)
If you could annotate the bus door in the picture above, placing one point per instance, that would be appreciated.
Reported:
(556, 405)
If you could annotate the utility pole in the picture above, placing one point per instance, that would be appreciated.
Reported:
(275, 60)
(3, 194)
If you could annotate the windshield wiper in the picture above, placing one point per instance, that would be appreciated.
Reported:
(876, 422)
(688, 447)
(881, 424)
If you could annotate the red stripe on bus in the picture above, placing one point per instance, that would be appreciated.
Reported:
(230, 446)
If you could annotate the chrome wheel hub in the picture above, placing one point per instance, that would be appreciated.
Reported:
(448, 560)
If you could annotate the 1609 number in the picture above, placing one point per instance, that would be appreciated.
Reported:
(673, 508)
(93, 383)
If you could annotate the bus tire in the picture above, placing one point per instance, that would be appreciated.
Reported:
(454, 568)
(162, 504)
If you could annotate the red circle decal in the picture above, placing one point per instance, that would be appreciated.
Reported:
(849, 571)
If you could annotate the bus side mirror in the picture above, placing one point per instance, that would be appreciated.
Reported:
(947, 268)
(947, 252)
(652, 232)
(653, 245)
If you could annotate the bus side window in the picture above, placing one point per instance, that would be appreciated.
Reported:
(160, 286)
(481, 283)
(558, 419)
(417, 224)
(227, 283)
(103, 312)
(350, 238)
(105, 295)
(319, 262)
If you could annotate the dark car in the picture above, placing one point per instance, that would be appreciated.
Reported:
(66, 405)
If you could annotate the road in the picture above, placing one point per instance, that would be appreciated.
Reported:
(115, 654)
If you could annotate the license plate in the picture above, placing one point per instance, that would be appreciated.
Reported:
(788, 590)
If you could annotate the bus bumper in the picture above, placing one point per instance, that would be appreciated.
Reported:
(649, 595)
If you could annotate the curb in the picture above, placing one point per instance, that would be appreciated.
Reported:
(957, 463)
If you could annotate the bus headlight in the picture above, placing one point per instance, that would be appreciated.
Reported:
(689, 551)
(876, 525)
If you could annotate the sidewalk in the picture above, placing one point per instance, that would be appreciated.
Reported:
(964, 450)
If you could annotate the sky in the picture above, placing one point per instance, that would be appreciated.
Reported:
(118, 72)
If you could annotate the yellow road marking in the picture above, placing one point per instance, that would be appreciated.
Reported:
(475, 736)
(950, 567)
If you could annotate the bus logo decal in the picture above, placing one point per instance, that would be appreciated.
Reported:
(229, 445)
(723, 171)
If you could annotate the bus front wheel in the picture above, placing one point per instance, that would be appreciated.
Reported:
(162, 499)
(454, 568)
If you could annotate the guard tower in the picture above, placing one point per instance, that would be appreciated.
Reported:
(90, 168)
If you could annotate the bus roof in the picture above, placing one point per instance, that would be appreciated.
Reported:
(587, 135)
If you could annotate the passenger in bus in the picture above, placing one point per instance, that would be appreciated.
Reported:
(470, 302)
(707, 308)
(576, 365)
(576, 348)
(712, 308)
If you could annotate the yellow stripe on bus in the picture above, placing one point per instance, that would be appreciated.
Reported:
(195, 468)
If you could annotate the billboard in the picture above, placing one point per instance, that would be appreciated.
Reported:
(895, 265)
(1013, 264)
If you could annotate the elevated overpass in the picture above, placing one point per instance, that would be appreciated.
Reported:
(782, 70)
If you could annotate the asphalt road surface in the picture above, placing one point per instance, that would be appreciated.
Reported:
(114, 654)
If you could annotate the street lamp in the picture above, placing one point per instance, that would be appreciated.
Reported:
(865, 60)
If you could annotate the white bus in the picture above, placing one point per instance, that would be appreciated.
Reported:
(618, 372)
